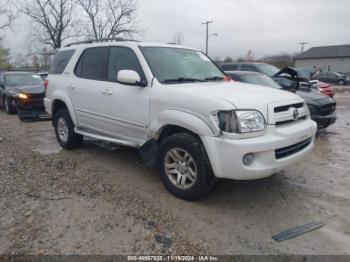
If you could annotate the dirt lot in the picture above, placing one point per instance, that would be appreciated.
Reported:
(101, 199)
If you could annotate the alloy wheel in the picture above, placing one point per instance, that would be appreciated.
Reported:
(62, 130)
(180, 168)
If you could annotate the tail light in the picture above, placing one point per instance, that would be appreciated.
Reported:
(46, 84)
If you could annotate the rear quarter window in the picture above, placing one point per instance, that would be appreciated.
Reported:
(60, 62)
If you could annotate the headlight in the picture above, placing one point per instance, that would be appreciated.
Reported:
(246, 121)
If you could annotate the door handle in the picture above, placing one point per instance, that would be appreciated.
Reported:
(71, 87)
(107, 92)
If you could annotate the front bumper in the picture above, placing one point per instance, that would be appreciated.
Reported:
(226, 155)
(32, 109)
(325, 121)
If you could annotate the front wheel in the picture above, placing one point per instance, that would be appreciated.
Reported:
(64, 129)
(8, 104)
(341, 82)
(184, 167)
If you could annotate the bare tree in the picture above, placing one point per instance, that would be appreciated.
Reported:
(6, 14)
(53, 20)
(109, 18)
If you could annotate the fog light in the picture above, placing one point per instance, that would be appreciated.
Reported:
(248, 159)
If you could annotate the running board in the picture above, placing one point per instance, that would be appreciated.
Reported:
(105, 138)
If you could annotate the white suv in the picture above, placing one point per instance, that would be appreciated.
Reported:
(179, 109)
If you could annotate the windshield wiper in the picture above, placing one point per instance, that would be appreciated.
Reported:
(215, 78)
(183, 79)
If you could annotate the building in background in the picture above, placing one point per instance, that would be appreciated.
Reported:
(325, 58)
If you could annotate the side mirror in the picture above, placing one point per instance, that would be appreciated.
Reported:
(130, 77)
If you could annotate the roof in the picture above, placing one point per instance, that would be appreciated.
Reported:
(326, 52)
(128, 43)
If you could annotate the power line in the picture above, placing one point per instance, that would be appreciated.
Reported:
(207, 35)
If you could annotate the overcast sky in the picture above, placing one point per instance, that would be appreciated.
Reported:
(264, 26)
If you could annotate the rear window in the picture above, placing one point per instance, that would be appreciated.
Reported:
(231, 67)
(60, 62)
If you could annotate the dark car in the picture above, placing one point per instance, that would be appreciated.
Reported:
(332, 77)
(23, 93)
(321, 107)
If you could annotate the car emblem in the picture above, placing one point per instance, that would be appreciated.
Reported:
(296, 114)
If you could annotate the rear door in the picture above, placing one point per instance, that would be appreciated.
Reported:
(86, 87)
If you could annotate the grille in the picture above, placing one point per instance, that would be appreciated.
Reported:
(289, 121)
(286, 108)
(327, 109)
(293, 149)
(42, 95)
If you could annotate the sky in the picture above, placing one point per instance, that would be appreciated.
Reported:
(264, 26)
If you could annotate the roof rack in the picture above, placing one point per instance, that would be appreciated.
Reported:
(91, 41)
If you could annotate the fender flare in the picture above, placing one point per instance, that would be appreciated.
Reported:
(61, 96)
(182, 119)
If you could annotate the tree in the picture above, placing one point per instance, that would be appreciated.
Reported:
(4, 56)
(228, 59)
(53, 20)
(109, 18)
(250, 57)
(6, 14)
(280, 60)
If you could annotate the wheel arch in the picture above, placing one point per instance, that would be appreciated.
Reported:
(169, 122)
(62, 101)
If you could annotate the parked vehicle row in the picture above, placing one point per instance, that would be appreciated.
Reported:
(321, 107)
(178, 108)
(24, 93)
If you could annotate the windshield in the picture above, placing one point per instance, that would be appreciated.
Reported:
(268, 70)
(262, 80)
(23, 79)
(173, 65)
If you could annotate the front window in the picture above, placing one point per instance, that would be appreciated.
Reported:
(23, 80)
(174, 65)
(268, 70)
(262, 80)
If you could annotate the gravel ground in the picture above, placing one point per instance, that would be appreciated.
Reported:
(101, 199)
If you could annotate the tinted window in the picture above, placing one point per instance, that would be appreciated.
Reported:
(60, 61)
(122, 58)
(248, 68)
(93, 63)
(229, 67)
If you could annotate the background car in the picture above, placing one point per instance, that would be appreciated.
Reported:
(326, 89)
(322, 108)
(332, 77)
(22, 92)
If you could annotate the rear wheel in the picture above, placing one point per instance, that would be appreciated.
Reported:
(64, 129)
(8, 104)
(184, 167)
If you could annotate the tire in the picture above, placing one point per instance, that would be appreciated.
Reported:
(341, 82)
(64, 129)
(9, 108)
(178, 178)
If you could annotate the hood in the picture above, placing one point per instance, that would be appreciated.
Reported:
(32, 89)
(289, 71)
(241, 95)
(311, 97)
(227, 96)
